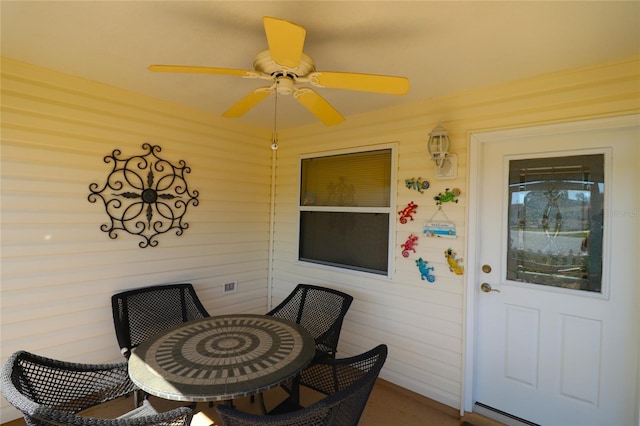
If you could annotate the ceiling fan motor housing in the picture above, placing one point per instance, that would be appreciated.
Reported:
(265, 64)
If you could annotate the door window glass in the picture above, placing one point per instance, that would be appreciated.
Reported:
(556, 221)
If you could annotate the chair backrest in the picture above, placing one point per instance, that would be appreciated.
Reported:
(51, 392)
(354, 378)
(320, 310)
(140, 313)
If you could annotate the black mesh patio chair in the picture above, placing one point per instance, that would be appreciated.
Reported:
(52, 392)
(140, 313)
(320, 311)
(348, 383)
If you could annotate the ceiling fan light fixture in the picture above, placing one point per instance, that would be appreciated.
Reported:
(285, 85)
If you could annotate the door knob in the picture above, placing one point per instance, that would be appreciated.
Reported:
(486, 287)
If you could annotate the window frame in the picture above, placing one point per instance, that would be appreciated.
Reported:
(390, 211)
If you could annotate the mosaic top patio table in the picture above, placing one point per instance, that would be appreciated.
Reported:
(220, 358)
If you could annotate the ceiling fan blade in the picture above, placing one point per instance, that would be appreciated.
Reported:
(248, 102)
(199, 70)
(318, 106)
(286, 41)
(364, 82)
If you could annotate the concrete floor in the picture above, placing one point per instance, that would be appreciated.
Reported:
(388, 405)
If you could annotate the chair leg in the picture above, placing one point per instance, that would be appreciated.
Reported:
(294, 395)
(136, 398)
(335, 378)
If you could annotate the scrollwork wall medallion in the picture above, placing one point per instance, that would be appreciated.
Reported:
(144, 195)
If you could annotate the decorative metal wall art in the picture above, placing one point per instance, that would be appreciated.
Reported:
(417, 184)
(425, 271)
(144, 195)
(455, 263)
(408, 212)
(447, 196)
(409, 245)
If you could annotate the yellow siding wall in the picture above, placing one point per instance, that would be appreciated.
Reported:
(422, 323)
(59, 269)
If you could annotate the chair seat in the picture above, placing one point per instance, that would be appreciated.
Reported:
(55, 392)
(146, 409)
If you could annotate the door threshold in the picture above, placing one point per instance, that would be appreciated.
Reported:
(500, 416)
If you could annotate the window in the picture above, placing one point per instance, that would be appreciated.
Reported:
(345, 210)
(556, 221)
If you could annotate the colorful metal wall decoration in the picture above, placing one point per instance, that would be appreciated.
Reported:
(144, 195)
(425, 271)
(409, 245)
(454, 263)
(417, 184)
(408, 212)
(447, 196)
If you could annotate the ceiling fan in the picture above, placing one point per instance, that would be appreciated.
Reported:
(286, 66)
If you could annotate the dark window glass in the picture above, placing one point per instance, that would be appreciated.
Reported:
(353, 240)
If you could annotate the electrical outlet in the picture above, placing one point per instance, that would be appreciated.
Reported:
(230, 287)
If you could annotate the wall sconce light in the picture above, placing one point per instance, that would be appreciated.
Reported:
(438, 145)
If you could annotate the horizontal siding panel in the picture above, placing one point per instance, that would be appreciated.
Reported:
(427, 320)
(66, 237)
(437, 367)
(88, 261)
(72, 270)
(139, 106)
(211, 153)
(420, 331)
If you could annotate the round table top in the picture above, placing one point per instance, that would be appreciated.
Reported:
(221, 358)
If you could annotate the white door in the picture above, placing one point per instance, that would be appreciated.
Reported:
(556, 341)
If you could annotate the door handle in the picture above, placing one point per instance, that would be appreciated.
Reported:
(486, 287)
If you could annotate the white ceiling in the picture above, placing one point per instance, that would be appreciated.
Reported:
(443, 47)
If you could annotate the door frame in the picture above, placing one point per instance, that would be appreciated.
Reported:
(476, 141)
